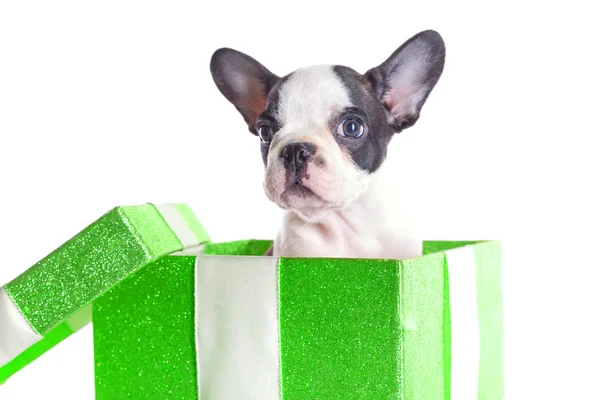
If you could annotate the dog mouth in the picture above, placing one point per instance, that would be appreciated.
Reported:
(297, 189)
(304, 201)
(294, 185)
(300, 197)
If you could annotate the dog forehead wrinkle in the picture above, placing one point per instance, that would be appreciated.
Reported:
(310, 96)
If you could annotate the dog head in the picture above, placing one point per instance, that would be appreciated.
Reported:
(325, 129)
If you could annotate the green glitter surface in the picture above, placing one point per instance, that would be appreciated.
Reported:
(437, 246)
(238, 248)
(152, 230)
(89, 264)
(349, 329)
(144, 334)
(340, 329)
(424, 299)
(55, 293)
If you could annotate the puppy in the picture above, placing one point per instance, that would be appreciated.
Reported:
(324, 132)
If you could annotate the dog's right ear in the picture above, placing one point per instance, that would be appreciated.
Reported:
(243, 81)
(403, 82)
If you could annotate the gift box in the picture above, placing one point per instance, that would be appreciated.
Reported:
(220, 321)
(229, 324)
(53, 299)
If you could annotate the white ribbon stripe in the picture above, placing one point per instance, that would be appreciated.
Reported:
(177, 225)
(16, 335)
(465, 323)
(237, 328)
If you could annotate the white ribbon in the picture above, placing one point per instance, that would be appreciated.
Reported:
(465, 323)
(237, 328)
(16, 335)
(177, 224)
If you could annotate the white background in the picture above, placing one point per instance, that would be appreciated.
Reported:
(111, 103)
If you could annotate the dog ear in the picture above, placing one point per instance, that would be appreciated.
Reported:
(403, 82)
(243, 81)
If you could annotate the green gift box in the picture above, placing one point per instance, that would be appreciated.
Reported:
(222, 322)
(53, 299)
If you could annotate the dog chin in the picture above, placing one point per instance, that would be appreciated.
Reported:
(305, 202)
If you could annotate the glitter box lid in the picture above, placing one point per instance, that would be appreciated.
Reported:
(52, 299)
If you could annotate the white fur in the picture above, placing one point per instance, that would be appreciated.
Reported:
(307, 101)
(348, 216)
(373, 226)
(309, 97)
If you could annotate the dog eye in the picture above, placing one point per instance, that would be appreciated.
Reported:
(265, 133)
(351, 128)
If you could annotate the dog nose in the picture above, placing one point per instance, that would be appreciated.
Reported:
(296, 155)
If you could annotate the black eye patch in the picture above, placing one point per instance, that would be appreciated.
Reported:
(268, 116)
(368, 151)
(353, 112)
(265, 146)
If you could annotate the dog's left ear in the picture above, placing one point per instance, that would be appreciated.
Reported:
(403, 82)
(243, 81)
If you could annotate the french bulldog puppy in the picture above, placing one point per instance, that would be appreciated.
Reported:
(324, 132)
